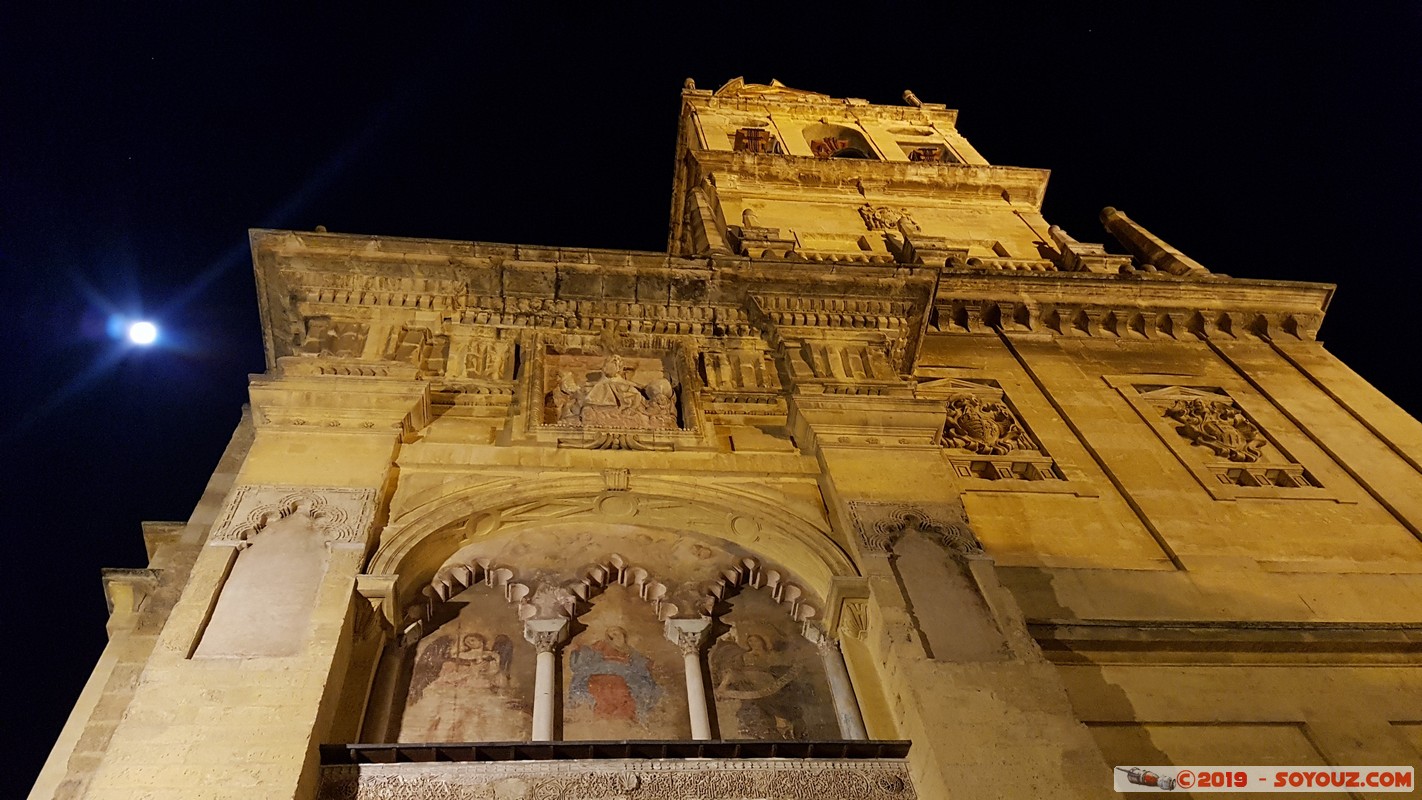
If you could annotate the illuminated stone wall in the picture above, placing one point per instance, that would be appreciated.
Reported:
(873, 452)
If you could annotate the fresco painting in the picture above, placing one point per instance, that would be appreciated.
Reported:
(472, 677)
(623, 679)
(767, 679)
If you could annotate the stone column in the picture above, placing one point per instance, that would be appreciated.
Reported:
(690, 635)
(846, 708)
(546, 635)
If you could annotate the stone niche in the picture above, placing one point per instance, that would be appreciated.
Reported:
(611, 390)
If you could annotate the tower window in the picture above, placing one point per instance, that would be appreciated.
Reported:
(755, 140)
(930, 154)
(837, 141)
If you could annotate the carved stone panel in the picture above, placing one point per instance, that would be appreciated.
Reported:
(1217, 431)
(1220, 434)
(326, 336)
(283, 535)
(983, 435)
(624, 779)
(339, 514)
(611, 391)
(880, 525)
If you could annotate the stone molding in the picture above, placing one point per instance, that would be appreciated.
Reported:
(880, 525)
(624, 779)
(343, 514)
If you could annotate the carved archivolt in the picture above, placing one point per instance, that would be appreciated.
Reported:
(424, 537)
(668, 779)
(543, 599)
(342, 514)
(881, 524)
(750, 573)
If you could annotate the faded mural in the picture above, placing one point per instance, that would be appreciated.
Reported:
(767, 679)
(472, 677)
(623, 679)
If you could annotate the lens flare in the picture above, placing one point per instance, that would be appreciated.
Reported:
(142, 332)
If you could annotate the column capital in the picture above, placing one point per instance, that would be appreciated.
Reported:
(689, 634)
(546, 635)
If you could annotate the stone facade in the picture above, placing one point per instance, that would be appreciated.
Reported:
(872, 452)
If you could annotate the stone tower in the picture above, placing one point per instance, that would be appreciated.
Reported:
(875, 485)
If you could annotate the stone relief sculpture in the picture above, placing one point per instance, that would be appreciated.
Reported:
(884, 218)
(1220, 426)
(984, 426)
(606, 398)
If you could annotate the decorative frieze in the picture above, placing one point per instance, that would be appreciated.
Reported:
(624, 779)
(880, 525)
(339, 514)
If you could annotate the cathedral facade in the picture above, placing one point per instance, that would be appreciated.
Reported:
(874, 485)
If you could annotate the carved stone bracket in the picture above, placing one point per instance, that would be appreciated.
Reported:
(879, 525)
(342, 514)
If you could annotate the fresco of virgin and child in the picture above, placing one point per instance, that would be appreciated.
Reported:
(624, 678)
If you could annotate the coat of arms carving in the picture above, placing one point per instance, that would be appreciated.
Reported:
(984, 426)
(1219, 426)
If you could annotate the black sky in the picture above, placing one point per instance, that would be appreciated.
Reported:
(138, 145)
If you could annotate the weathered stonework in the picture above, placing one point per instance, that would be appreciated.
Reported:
(625, 780)
(720, 496)
(341, 515)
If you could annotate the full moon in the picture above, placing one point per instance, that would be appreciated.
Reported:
(142, 333)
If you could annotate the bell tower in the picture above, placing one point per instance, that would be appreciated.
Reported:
(875, 484)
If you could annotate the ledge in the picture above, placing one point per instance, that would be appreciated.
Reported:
(340, 754)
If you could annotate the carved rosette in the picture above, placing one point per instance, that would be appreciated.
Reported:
(984, 426)
(342, 514)
(879, 525)
(1220, 426)
(670, 779)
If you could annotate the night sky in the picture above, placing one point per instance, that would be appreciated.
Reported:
(1266, 140)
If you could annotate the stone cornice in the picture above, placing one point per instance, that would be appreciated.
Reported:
(1085, 304)
(971, 182)
(433, 282)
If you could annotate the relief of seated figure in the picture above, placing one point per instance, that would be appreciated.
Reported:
(612, 400)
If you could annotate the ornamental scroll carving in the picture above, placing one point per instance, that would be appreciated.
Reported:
(339, 514)
(1218, 424)
(609, 391)
(880, 525)
(885, 218)
(781, 779)
(984, 426)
